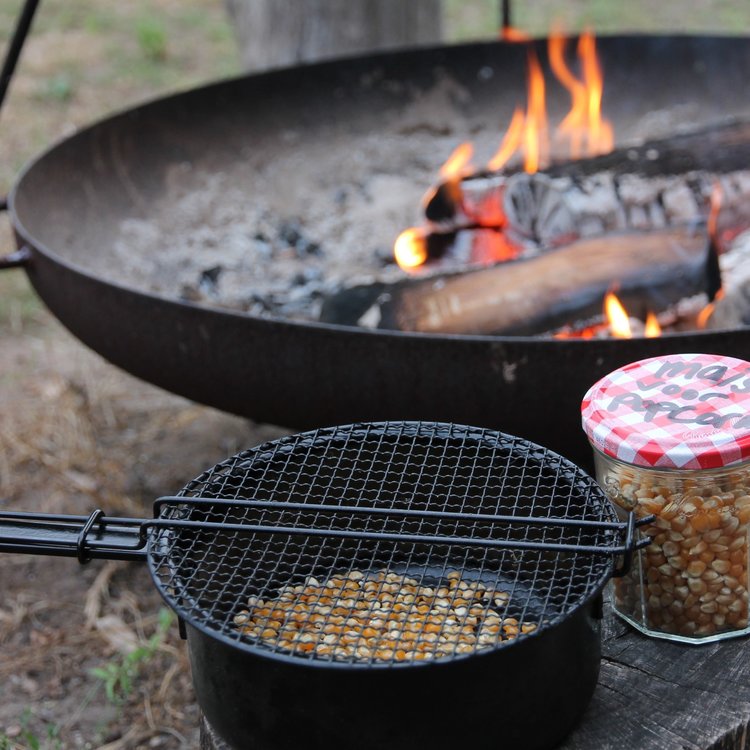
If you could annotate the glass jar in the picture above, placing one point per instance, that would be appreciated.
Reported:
(671, 438)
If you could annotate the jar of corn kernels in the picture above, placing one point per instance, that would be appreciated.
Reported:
(671, 438)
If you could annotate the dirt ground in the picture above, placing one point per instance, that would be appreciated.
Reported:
(88, 656)
(76, 433)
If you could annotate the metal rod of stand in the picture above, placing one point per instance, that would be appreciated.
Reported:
(16, 45)
(505, 14)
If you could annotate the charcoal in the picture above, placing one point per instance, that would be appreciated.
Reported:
(209, 279)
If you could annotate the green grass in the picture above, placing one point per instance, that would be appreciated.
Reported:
(466, 19)
(35, 735)
(86, 58)
(120, 675)
(152, 38)
(19, 305)
(58, 88)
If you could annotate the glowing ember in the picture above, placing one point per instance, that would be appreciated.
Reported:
(493, 247)
(410, 249)
(590, 332)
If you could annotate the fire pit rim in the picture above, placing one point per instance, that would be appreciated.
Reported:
(388, 56)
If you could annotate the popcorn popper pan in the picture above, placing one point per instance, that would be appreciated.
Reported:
(396, 584)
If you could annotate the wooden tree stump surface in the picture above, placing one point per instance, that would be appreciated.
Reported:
(209, 740)
(653, 695)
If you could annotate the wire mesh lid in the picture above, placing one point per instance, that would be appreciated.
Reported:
(380, 544)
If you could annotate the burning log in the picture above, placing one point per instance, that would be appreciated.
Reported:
(658, 183)
(527, 297)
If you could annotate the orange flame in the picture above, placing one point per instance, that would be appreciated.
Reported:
(652, 328)
(717, 197)
(527, 134)
(584, 123)
(536, 145)
(619, 322)
(410, 248)
(458, 163)
(600, 134)
(572, 124)
(455, 168)
(510, 143)
(705, 314)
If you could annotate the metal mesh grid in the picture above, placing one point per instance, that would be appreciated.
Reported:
(208, 575)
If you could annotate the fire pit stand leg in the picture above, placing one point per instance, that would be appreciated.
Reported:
(209, 740)
(15, 45)
(506, 14)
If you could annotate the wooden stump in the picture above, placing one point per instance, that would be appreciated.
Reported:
(209, 740)
(274, 33)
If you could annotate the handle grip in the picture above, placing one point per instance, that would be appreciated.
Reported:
(85, 537)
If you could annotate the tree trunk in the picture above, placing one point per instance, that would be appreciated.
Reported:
(274, 33)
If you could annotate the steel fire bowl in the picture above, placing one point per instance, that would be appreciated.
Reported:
(68, 204)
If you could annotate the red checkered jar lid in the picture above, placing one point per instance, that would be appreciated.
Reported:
(676, 411)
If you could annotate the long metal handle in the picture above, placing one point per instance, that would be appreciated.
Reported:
(16, 259)
(95, 536)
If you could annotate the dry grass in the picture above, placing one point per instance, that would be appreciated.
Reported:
(75, 433)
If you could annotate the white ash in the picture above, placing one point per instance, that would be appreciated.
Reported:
(545, 209)
(229, 240)
(223, 249)
(733, 309)
(294, 218)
